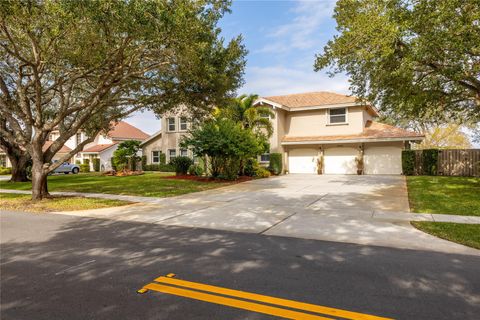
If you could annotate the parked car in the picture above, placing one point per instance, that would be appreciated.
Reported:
(67, 167)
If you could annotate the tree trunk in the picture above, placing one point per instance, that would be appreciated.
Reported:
(19, 167)
(39, 182)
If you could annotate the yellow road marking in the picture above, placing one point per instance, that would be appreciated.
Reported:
(271, 300)
(240, 304)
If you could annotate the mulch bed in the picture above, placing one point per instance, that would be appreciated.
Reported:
(207, 179)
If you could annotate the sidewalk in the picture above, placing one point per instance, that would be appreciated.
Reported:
(386, 216)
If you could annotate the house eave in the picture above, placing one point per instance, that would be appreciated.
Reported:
(152, 137)
(361, 140)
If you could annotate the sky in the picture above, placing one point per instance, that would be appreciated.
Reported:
(282, 38)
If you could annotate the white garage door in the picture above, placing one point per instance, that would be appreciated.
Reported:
(302, 160)
(383, 160)
(340, 160)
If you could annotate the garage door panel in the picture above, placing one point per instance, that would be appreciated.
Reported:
(302, 160)
(383, 160)
(340, 160)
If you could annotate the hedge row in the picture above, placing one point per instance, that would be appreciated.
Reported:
(159, 167)
(428, 159)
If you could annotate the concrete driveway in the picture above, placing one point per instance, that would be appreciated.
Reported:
(352, 209)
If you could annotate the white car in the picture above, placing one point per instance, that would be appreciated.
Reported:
(67, 167)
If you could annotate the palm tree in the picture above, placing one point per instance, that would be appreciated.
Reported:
(242, 110)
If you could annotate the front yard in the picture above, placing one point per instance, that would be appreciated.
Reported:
(23, 202)
(448, 195)
(149, 184)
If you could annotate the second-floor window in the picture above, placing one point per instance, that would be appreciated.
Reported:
(183, 124)
(171, 124)
(155, 156)
(338, 115)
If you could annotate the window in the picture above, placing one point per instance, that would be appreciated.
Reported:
(78, 138)
(155, 156)
(264, 115)
(171, 124)
(265, 157)
(338, 115)
(183, 124)
(172, 154)
(184, 152)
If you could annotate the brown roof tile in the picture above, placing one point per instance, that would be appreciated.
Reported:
(99, 147)
(63, 149)
(310, 99)
(124, 130)
(372, 130)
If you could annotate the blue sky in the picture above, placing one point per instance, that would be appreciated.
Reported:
(282, 38)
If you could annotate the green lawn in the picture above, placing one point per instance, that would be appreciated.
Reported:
(466, 234)
(148, 184)
(23, 202)
(449, 195)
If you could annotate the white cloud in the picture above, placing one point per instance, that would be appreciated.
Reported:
(282, 80)
(304, 30)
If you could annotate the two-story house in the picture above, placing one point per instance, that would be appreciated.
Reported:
(102, 147)
(337, 129)
(174, 125)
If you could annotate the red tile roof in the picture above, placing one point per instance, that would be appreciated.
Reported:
(373, 130)
(99, 147)
(124, 130)
(63, 149)
(310, 99)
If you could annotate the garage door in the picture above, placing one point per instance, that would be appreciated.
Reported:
(383, 160)
(302, 160)
(340, 160)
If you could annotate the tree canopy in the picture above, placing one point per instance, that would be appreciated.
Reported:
(80, 65)
(414, 59)
(445, 137)
(126, 154)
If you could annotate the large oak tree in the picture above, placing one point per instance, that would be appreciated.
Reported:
(81, 65)
(415, 59)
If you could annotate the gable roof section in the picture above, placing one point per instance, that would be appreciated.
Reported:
(63, 149)
(373, 131)
(124, 130)
(313, 100)
(98, 148)
(152, 137)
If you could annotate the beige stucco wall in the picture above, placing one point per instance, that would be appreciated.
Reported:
(315, 123)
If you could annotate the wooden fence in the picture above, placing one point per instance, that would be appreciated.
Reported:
(453, 162)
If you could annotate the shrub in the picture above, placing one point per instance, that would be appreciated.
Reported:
(96, 164)
(144, 162)
(261, 172)
(86, 161)
(275, 165)
(195, 170)
(77, 162)
(112, 162)
(231, 169)
(181, 164)
(84, 167)
(430, 162)
(4, 170)
(408, 162)
(163, 158)
(250, 166)
(159, 167)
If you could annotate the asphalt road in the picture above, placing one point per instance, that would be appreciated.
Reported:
(64, 267)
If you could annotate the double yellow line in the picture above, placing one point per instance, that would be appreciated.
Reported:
(183, 288)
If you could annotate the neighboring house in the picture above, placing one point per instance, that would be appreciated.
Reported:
(309, 126)
(102, 147)
(174, 125)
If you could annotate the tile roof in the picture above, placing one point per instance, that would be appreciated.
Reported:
(373, 130)
(63, 149)
(124, 130)
(310, 99)
(99, 147)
